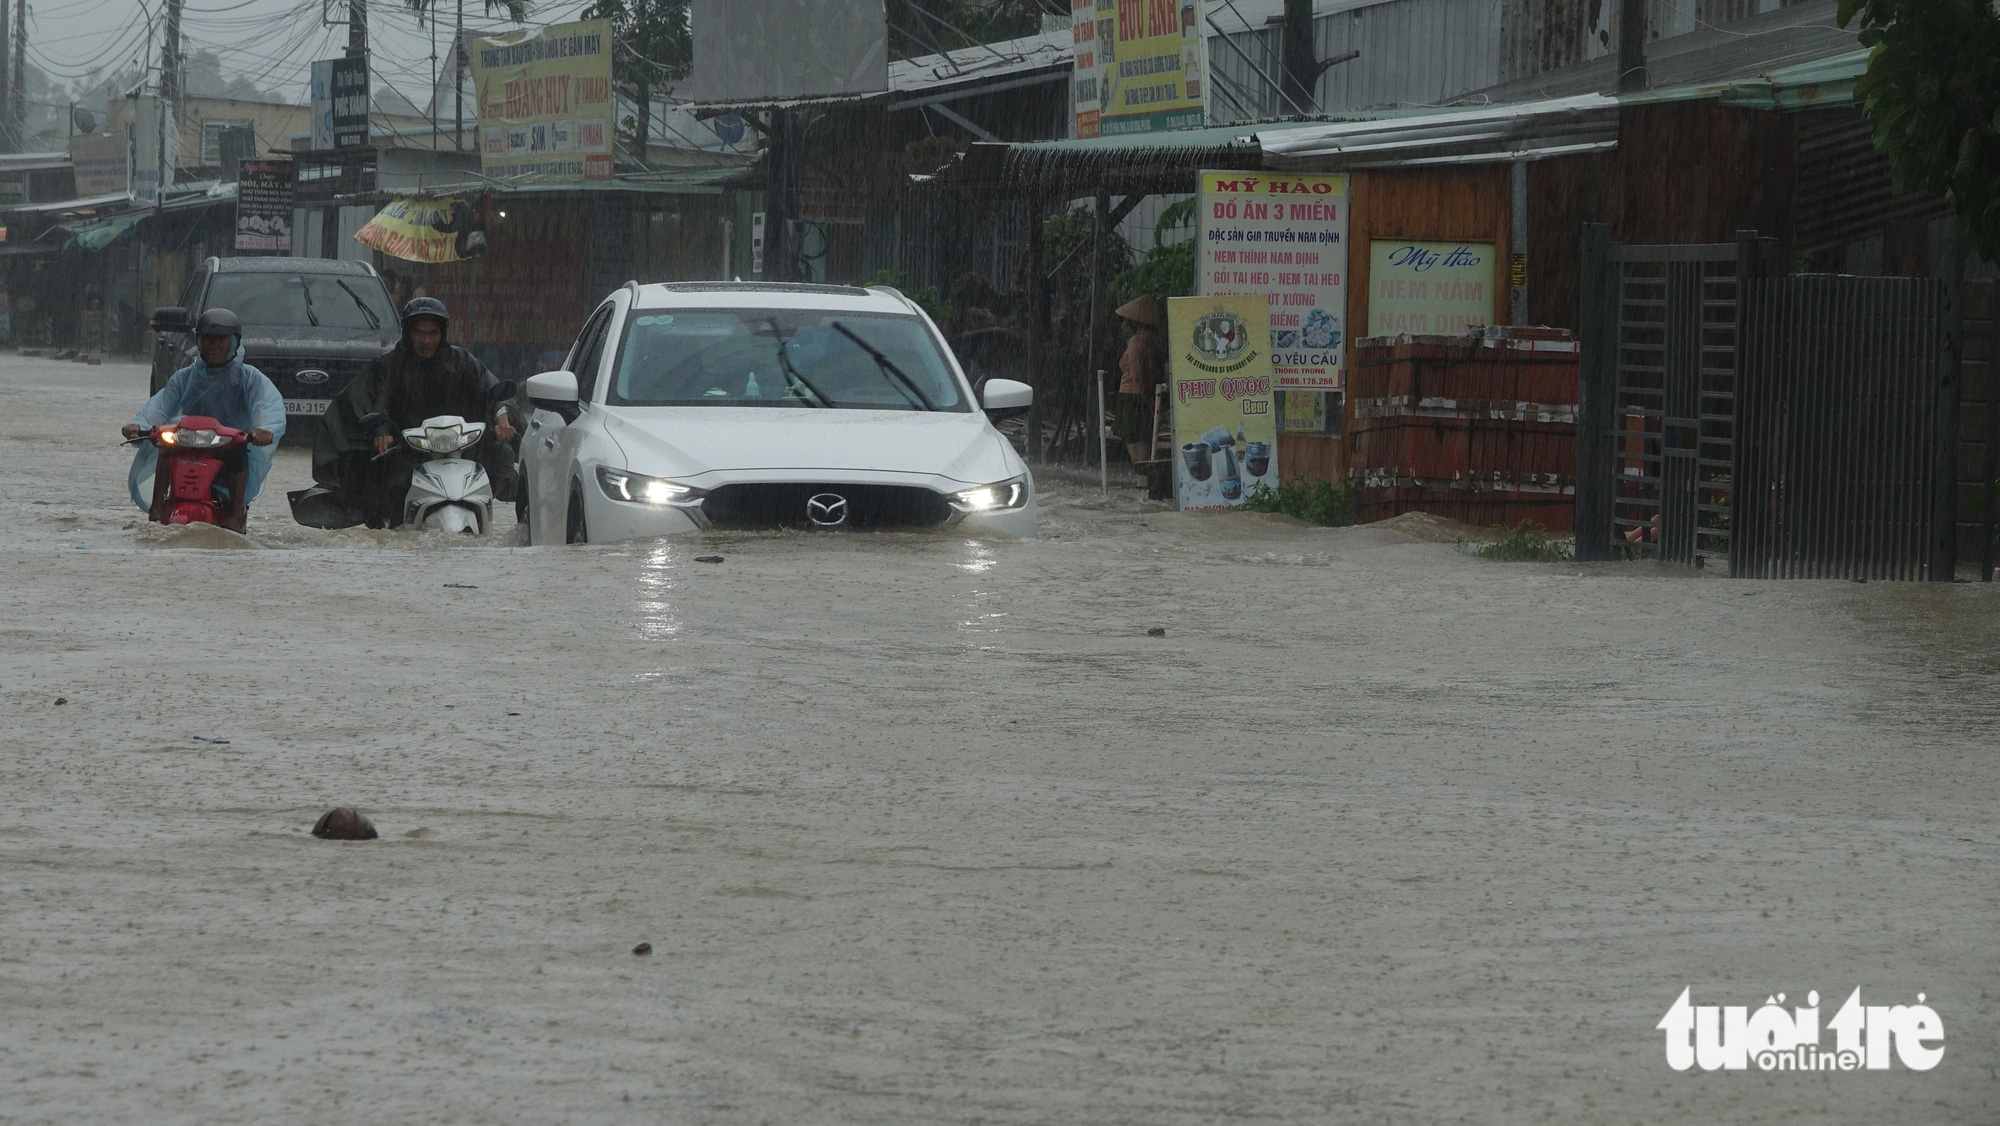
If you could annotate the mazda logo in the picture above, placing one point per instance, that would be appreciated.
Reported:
(828, 510)
(312, 375)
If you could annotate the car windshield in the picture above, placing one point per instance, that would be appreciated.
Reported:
(783, 358)
(279, 300)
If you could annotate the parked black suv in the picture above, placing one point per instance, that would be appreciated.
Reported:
(311, 324)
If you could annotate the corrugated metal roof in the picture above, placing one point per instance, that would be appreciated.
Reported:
(1486, 134)
(91, 204)
(33, 161)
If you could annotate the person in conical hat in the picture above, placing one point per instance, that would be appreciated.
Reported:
(1141, 368)
(1144, 309)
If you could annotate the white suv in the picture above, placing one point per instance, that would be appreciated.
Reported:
(699, 405)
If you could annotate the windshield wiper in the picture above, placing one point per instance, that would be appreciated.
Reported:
(374, 322)
(818, 399)
(306, 288)
(888, 366)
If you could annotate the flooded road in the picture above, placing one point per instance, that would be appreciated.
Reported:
(925, 829)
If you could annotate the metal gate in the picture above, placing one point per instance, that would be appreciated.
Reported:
(1657, 414)
(1786, 427)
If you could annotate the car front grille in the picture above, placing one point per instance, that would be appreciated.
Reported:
(284, 374)
(790, 505)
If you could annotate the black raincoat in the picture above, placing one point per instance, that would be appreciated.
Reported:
(406, 389)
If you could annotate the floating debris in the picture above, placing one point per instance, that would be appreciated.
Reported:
(344, 824)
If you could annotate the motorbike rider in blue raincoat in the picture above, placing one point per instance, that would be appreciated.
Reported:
(221, 386)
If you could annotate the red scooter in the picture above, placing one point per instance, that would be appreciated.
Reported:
(193, 454)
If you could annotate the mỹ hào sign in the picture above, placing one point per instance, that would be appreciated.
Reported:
(544, 102)
(1429, 288)
(1284, 237)
(1219, 376)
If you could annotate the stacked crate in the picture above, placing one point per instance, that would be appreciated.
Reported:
(1479, 428)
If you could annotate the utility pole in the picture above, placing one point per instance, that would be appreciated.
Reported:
(357, 32)
(170, 56)
(6, 84)
(169, 99)
(1301, 57)
(644, 118)
(1632, 74)
(458, 79)
(20, 86)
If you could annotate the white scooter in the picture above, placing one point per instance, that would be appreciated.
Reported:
(448, 493)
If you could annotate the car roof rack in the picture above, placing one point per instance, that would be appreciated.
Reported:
(761, 287)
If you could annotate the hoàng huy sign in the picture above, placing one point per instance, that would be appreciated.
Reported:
(1429, 288)
(544, 102)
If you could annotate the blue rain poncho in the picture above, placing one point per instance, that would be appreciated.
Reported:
(232, 393)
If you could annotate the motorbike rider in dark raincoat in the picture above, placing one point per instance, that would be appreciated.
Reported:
(422, 377)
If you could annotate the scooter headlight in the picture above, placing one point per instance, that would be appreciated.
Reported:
(637, 488)
(992, 498)
(444, 439)
(194, 439)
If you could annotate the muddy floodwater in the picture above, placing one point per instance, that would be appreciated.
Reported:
(924, 829)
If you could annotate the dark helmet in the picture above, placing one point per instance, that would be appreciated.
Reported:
(219, 322)
(425, 307)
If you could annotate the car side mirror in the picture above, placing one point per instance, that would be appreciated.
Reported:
(555, 392)
(170, 318)
(1005, 395)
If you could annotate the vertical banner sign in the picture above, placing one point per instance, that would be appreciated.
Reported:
(545, 103)
(1429, 288)
(340, 104)
(1139, 66)
(154, 145)
(1284, 237)
(264, 205)
(1225, 430)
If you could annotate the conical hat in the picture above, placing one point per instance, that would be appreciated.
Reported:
(1144, 310)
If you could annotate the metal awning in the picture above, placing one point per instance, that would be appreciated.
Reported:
(91, 204)
(1476, 135)
(104, 232)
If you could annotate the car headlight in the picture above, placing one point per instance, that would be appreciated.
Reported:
(992, 498)
(637, 488)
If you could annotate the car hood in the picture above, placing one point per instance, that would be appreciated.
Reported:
(330, 343)
(689, 441)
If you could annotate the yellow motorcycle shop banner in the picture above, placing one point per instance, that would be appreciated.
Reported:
(1138, 66)
(427, 230)
(545, 103)
(1225, 431)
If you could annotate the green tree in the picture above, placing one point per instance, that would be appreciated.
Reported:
(1933, 89)
(1166, 270)
(925, 27)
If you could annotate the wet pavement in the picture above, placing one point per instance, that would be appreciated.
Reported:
(928, 829)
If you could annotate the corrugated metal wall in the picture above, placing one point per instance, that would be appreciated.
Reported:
(1427, 52)
(1543, 35)
(1413, 52)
